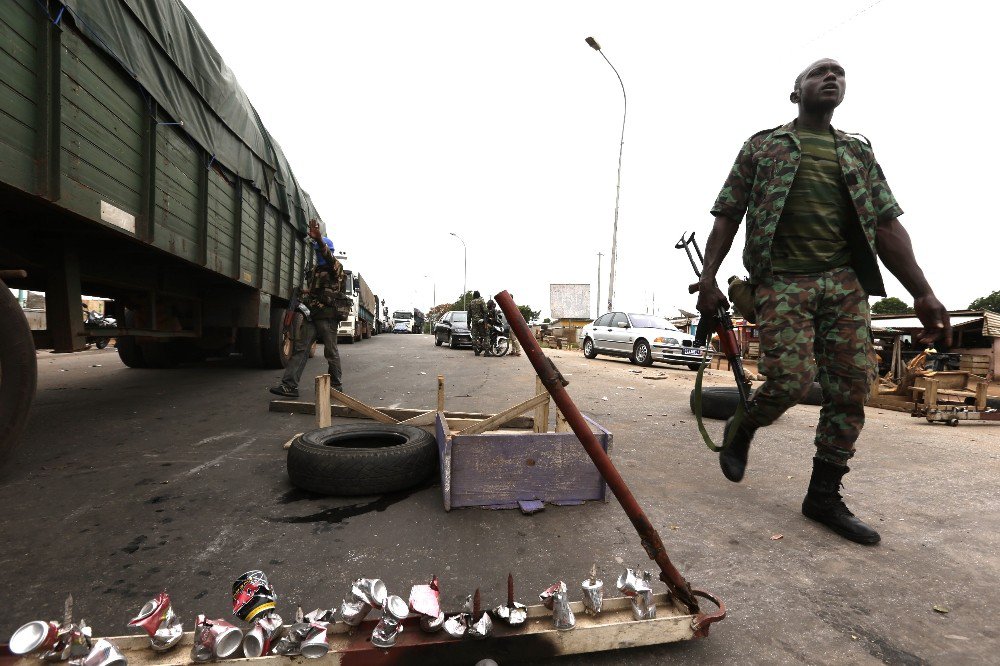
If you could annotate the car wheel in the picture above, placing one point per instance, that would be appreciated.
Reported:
(452, 342)
(588, 349)
(642, 353)
(694, 366)
(437, 340)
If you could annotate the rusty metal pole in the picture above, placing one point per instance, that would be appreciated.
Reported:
(554, 383)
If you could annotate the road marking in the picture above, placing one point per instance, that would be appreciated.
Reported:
(217, 460)
(225, 435)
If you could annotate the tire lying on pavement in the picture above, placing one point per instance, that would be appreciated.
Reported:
(361, 459)
(720, 402)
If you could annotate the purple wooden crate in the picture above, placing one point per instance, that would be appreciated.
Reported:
(496, 469)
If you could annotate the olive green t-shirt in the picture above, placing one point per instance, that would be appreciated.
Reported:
(812, 232)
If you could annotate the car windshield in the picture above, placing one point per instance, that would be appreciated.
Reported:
(402, 315)
(649, 321)
(458, 317)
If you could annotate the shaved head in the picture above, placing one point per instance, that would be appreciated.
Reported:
(802, 74)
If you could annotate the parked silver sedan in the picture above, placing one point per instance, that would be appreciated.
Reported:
(641, 338)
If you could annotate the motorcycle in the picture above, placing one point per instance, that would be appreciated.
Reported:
(497, 341)
(96, 320)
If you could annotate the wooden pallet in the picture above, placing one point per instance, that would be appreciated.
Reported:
(537, 638)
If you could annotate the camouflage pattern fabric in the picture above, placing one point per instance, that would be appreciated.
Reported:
(758, 187)
(323, 286)
(809, 325)
(477, 311)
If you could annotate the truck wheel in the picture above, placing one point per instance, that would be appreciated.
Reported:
(128, 348)
(159, 355)
(274, 352)
(18, 372)
(361, 459)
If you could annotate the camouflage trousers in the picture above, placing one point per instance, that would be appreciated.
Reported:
(478, 332)
(816, 326)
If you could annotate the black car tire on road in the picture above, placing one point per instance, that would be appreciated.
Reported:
(642, 354)
(437, 340)
(588, 349)
(694, 366)
(361, 459)
(720, 402)
(452, 342)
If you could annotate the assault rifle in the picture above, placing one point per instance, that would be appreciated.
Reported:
(727, 341)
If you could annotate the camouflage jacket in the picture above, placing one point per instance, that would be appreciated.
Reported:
(761, 179)
(476, 310)
(323, 287)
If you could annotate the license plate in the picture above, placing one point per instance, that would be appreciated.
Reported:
(691, 352)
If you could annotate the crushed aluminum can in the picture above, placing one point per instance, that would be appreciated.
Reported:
(370, 590)
(391, 625)
(457, 626)
(315, 645)
(546, 597)
(562, 614)
(291, 641)
(631, 582)
(512, 616)
(37, 635)
(104, 653)
(425, 600)
(432, 624)
(158, 619)
(252, 596)
(593, 593)
(354, 613)
(215, 639)
(320, 615)
(262, 637)
(72, 641)
(481, 628)
(643, 607)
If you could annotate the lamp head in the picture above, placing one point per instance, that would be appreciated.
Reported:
(593, 43)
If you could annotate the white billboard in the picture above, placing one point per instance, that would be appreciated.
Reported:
(569, 301)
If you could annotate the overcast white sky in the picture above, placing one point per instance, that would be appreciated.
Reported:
(409, 120)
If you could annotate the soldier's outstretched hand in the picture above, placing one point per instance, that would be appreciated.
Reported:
(933, 315)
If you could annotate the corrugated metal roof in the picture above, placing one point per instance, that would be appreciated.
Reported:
(906, 323)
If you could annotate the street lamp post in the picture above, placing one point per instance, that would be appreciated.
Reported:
(618, 187)
(465, 267)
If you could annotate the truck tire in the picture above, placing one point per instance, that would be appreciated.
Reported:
(361, 459)
(18, 372)
(274, 352)
(128, 349)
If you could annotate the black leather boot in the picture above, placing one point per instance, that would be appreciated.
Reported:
(824, 504)
(733, 456)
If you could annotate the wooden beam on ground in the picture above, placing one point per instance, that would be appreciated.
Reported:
(981, 396)
(359, 406)
(562, 425)
(400, 414)
(427, 418)
(541, 411)
(323, 418)
(499, 419)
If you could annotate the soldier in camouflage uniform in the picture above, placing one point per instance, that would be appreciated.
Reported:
(818, 212)
(324, 283)
(476, 313)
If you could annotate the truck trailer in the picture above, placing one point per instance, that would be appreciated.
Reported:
(134, 167)
(360, 323)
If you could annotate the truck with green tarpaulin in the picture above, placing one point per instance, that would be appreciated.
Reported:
(134, 167)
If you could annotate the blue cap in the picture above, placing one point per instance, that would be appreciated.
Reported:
(319, 255)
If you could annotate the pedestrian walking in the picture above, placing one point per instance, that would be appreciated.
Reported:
(324, 283)
(819, 212)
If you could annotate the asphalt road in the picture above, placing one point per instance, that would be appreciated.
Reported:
(134, 481)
